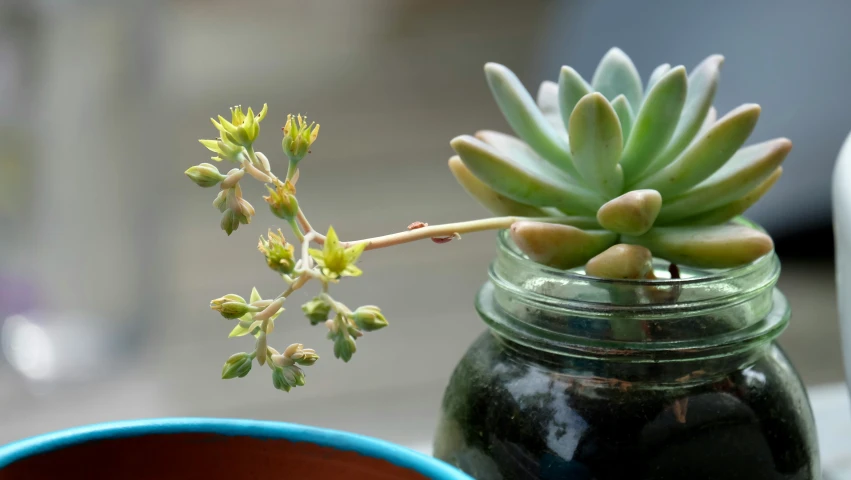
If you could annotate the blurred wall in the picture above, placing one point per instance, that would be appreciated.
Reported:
(118, 254)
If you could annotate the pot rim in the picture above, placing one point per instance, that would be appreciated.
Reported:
(338, 440)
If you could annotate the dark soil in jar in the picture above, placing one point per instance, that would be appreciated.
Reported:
(508, 418)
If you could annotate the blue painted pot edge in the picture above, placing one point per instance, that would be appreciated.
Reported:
(367, 446)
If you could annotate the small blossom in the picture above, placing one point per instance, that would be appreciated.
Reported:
(298, 137)
(243, 128)
(335, 260)
(282, 200)
(279, 254)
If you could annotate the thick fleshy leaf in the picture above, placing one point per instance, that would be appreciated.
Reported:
(532, 186)
(625, 115)
(711, 118)
(655, 122)
(548, 103)
(548, 97)
(657, 75)
(494, 202)
(622, 262)
(617, 75)
(702, 84)
(633, 213)
(521, 153)
(571, 88)
(596, 142)
(560, 246)
(716, 246)
(526, 118)
(737, 207)
(706, 155)
(748, 168)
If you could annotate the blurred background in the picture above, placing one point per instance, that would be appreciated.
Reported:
(109, 256)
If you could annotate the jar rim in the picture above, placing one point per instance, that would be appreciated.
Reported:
(507, 245)
(567, 310)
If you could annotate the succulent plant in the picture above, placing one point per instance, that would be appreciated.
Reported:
(602, 176)
(616, 162)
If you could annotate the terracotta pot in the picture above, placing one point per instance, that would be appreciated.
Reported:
(212, 448)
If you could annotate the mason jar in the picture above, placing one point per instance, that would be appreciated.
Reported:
(587, 378)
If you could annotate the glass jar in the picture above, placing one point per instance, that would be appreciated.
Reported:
(587, 378)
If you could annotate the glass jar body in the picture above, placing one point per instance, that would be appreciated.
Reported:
(509, 415)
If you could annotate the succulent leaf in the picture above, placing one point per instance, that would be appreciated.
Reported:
(526, 118)
(708, 121)
(615, 75)
(625, 115)
(656, 75)
(705, 156)
(548, 103)
(748, 168)
(596, 143)
(622, 261)
(702, 84)
(715, 246)
(655, 122)
(560, 246)
(511, 179)
(735, 208)
(632, 213)
(571, 88)
(519, 152)
(651, 165)
(493, 201)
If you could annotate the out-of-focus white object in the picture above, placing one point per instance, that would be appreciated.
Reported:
(842, 232)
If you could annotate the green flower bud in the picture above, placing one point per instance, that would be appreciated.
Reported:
(309, 358)
(204, 175)
(237, 210)
(230, 221)
(316, 310)
(298, 354)
(231, 306)
(298, 376)
(369, 318)
(344, 347)
(237, 366)
(282, 201)
(279, 380)
(279, 254)
(298, 137)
